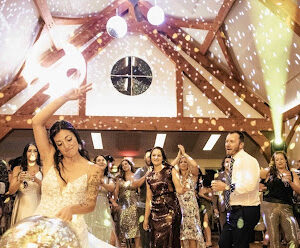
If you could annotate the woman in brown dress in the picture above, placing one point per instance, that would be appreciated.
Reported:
(164, 215)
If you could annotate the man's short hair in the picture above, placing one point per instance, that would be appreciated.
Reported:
(240, 134)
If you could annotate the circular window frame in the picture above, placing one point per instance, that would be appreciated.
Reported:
(127, 81)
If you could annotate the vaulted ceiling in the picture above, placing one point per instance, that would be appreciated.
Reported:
(203, 38)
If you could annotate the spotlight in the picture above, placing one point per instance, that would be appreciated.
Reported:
(156, 15)
(66, 73)
(116, 27)
(278, 145)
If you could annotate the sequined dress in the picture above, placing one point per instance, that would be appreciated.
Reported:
(165, 215)
(54, 199)
(100, 222)
(27, 200)
(128, 199)
(191, 225)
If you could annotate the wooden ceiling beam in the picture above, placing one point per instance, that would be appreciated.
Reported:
(95, 47)
(292, 132)
(179, 92)
(191, 47)
(89, 30)
(223, 12)
(11, 90)
(144, 123)
(293, 112)
(4, 131)
(218, 99)
(85, 32)
(195, 23)
(262, 142)
(82, 100)
(34, 102)
(287, 11)
(225, 50)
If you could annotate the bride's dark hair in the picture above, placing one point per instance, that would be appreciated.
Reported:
(58, 157)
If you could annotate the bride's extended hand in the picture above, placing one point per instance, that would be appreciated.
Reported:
(65, 214)
(75, 93)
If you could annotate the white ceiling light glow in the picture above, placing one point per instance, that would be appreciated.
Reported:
(211, 142)
(97, 140)
(160, 140)
(116, 27)
(156, 15)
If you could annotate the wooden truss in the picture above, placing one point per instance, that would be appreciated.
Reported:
(168, 38)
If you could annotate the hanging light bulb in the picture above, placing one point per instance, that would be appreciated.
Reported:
(156, 15)
(116, 27)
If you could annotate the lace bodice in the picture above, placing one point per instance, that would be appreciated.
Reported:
(54, 199)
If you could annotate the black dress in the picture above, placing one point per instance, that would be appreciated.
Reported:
(165, 215)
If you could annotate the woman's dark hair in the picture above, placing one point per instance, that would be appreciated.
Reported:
(106, 168)
(273, 169)
(206, 182)
(164, 157)
(24, 162)
(109, 158)
(223, 162)
(14, 162)
(58, 157)
(122, 172)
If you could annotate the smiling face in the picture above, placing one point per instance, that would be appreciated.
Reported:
(100, 160)
(147, 158)
(32, 153)
(280, 161)
(233, 144)
(66, 143)
(156, 157)
(125, 166)
(183, 164)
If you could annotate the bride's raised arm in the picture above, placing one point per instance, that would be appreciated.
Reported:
(39, 121)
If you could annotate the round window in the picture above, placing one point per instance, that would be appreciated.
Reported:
(131, 76)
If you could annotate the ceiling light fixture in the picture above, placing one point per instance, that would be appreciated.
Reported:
(116, 27)
(211, 142)
(97, 140)
(160, 140)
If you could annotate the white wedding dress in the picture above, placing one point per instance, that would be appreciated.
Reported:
(53, 199)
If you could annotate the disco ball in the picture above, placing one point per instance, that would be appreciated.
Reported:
(40, 232)
(156, 15)
(116, 27)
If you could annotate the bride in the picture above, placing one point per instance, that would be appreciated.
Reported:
(70, 185)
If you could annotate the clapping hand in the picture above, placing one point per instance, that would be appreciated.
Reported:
(181, 149)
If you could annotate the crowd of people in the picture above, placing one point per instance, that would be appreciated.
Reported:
(157, 205)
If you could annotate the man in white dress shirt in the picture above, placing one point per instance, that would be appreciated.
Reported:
(244, 209)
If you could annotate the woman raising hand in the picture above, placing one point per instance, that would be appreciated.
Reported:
(70, 185)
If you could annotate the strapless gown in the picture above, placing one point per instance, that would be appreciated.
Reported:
(27, 200)
(54, 198)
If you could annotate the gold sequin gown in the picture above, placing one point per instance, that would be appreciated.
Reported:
(128, 198)
(165, 215)
(100, 222)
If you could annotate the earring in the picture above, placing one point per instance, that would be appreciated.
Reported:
(80, 147)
